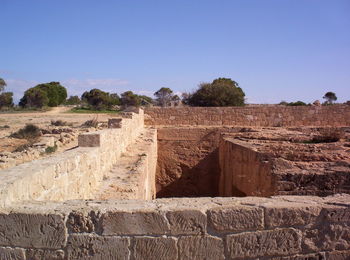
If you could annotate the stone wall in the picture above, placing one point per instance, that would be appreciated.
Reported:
(336, 115)
(243, 171)
(285, 227)
(74, 174)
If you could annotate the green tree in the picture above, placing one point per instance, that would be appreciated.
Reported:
(164, 96)
(114, 99)
(221, 92)
(6, 99)
(128, 98)
(146, 100)
(73, 100)
(2, 84)
(97, 99)
(34, 97)
(56, 93)
(330, 97)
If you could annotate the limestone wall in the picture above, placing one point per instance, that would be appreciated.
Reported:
(337, 115)
(243, 171)
(75, 174)
(285, 227)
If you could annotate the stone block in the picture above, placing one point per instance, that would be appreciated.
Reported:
(327, 236)
(316, 256)
(187, 222)
(285, 214)
(240, 218)
(89, 140)
(40, 254)
(79, 222)
(199, 248)
(155, 248)
(134, 223)
(264, 243)
(338, 255)
(97, 247)
(7, 253)
(32, 230)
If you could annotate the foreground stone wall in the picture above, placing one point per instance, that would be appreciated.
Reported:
(75, 174)
(285, 227)
(337, 115)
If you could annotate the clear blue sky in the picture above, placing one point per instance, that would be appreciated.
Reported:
(275, 49)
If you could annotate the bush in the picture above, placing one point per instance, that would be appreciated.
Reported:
(48, 94)
(29, 132)
(221, 92)
(91, 123)
(99, 99)
(298, 103)
(59, 123)
(51, 149)
(73, 100)
(128, 98)
(6, 99)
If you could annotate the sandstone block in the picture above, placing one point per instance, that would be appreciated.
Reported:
(34, 230)
(7, 253)
(79, 222)
(39, 254)
(327, 236)
(187, 222)
(134, 223)
(97, 248)
(282, 214)
(338, 255)
(236, 218)
(264, 243)
(201, 248)
(154, 248)
(89, 140)
(115, 122)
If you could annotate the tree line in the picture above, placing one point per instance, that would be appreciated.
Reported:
(219, 92)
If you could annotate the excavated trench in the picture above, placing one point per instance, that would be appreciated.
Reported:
(224, 161)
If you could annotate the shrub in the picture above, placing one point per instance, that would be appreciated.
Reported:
(29, 132)
(298, 103)
(128, 98)
(73, 100)
(99, 99)
(91, 123)
(221, 92)
(59, 123)
(6, 99)
(51, 149)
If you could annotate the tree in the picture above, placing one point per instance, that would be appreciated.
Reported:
(128, 98)
(34, 97)
(221, 92)
(48, 94)
(164, 96)
(73, 100)
(114, 99)
(97, 99)
(2, 84)
(146, 100)
(330, 97)
(6, 99)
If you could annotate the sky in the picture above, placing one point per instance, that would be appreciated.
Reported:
(275, 49)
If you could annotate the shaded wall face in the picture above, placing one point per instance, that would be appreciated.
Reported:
(188, 162)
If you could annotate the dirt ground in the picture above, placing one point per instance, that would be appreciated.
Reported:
(12, 122)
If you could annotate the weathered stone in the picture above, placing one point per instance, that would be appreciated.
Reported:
(286, 214)
(264, 243)
(115, 122)
(187, 222)
(79, 222)
(97, 248)
(39, 254)
(327, 236)
(240, 218)
(316, 256)
(195, 247)
(7, 253)
(32, 230)
(155, 248)
(89, 140)
(338, 255)
(134, 223)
